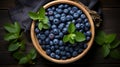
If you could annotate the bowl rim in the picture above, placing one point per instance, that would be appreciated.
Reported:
(42, 52)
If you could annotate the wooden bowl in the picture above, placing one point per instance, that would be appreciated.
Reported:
(73, 59)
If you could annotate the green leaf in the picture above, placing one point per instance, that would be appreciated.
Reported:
(12, 28)
(14, 46)
(100, 37)
(79, 37)
(40, 26)
(45, 26)
(115, 54)
(72, 36)
(10, 36)
(24, 60)
(41, 12)
(17, 27)
(9, 27)
(66, 38)
(105, 50)
(18, 55)
(33, 15)
(71, 28)
(110, 38)
(33, 53)
(45, 20)
(72, 41)
(22, 47)
(115, 44)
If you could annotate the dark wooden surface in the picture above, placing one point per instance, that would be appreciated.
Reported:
(111, 24)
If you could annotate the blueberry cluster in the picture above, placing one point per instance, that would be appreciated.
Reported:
(60, 16)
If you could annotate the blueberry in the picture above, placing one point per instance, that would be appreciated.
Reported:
(55, 12)
(85, 20)
(57, 51)
(87, 38)
(49, 9)
(56, 46)
(71, 12)
(79, 12)
(48, 51)
(83, 16)
(80, 50)
(73, 21)
(63, 14)
(52, 48)
(69, 8)
(79, 20)
(57, 36)
(47, 40)
(42, 42)
(46, 32)
(55, 31)
(63, 57)
(51, 42)
(51, 18)
(56, 21)
(86, 28)
(68, 54)
(52, 55)
(65, 11)
(38, 35)
(55, 41)
(51, 36)
(61, 6)
(66, 48)
(61, 34)
(59, 10)
(84, 45)
(37, 30)
(61, 26)
(71, 49)
(88, 33)
(82, 26)
(87, 25)
(39, 41)
(68, 23)
(69, 17)
(62, 53)
(47, 46)
(74, 53)
(53, 26)
(60, 42)
(77, 26)
(62, 48)
(42, 36)
(50, 13)
(64, 30)
(66, 5)
(53, 8)
(74, 8)
(57, 16)
(75, 15)
(81, 30)
(63, 18)
(57, 56)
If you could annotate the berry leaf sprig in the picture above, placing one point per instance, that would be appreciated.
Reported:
(109, 43)
(40, 16)
(14, 36)
(73, 36)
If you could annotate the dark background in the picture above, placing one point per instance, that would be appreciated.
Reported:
(111, 24)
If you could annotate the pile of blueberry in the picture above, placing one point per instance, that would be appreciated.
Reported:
(51, 40)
